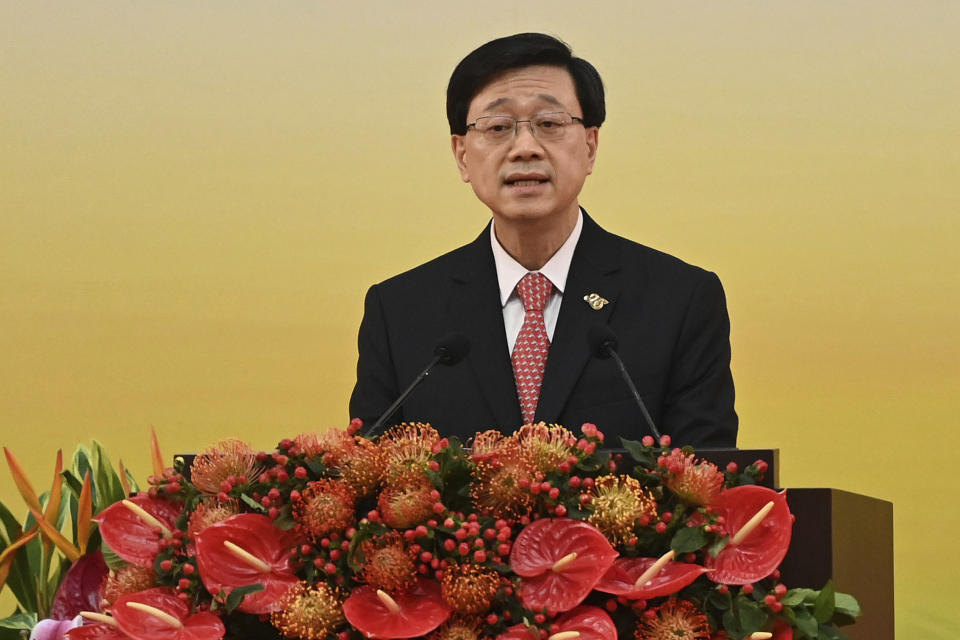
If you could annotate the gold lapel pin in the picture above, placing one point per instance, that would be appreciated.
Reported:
(596, 301)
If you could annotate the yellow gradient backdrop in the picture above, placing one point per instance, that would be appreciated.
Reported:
(195, 196)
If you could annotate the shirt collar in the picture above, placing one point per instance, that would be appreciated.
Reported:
(509, 271)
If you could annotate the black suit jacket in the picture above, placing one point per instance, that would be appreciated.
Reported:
(670, 319)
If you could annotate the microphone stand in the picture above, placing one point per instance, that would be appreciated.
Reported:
(633, 390)
(403, 396)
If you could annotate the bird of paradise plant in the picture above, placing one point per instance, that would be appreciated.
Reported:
(37, 553)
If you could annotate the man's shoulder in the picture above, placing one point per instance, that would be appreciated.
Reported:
(460, 261)
(644, 261)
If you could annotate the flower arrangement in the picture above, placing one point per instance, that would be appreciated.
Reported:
(536, 535)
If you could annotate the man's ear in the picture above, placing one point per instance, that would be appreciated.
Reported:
(593, 139)
(459, 146)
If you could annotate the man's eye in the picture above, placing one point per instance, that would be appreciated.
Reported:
(497, 128)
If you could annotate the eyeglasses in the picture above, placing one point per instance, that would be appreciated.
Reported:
(544, 126)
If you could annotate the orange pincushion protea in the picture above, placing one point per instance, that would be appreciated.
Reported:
(126, 580)
(674, 620)
(698, 483)
(498, 476)
(619, 502)
(406, 502)
(333, 444)
(485, 444)
(408, 447)
(549, 446)
(468, 588)
(309, 612)
(324, 506)
(458, 628)
(208, 512)
(387, 563)
(230, 457)
(363, 467)
(308, 444)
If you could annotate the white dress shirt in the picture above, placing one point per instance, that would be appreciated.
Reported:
(510, 272)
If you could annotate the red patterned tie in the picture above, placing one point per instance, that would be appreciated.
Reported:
(530, 351)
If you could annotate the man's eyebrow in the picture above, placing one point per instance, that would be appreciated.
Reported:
(546, 97)
(496, 103)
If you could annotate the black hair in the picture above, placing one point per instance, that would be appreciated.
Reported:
(521, 50)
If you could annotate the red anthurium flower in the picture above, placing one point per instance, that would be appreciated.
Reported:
(762, 549)
(622, 577)
(781, 631)
(592, 623)
(520, 632)
(414, 612)
(560, 560)
(97, 631)
(247, 549)
(133, 532)
(158, 614)
(80, 588)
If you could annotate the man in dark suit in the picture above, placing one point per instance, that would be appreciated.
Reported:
(524, 116)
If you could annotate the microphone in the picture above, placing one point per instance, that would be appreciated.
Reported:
(603, 344)
(451, 349)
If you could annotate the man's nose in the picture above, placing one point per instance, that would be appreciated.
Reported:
(525, 144)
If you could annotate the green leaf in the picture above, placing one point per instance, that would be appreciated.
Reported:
(11, 526)
(316, 468)
(109, 489)
(285, 520)
(717, 546)
(752, 617)
(789, 615)
(134, 487)
(250, 502)
(824, 604)
(19, 621)
(847, 605)
(113, 561)
(828, 632)
(688, 539)
(81, 465)
(71, 482)
(72, 488)
(807, 624)
(731, 625)
(720, 601)
(20, 581)
(794, 597)
(639, 453)
(235, 599)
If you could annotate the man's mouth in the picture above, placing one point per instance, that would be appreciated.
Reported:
(525, 180)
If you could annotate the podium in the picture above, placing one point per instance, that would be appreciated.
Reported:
(838, 535)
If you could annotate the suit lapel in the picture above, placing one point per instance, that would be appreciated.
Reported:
(475, 307)
(595, 269)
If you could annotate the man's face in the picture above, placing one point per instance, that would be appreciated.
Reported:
(525, 178)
